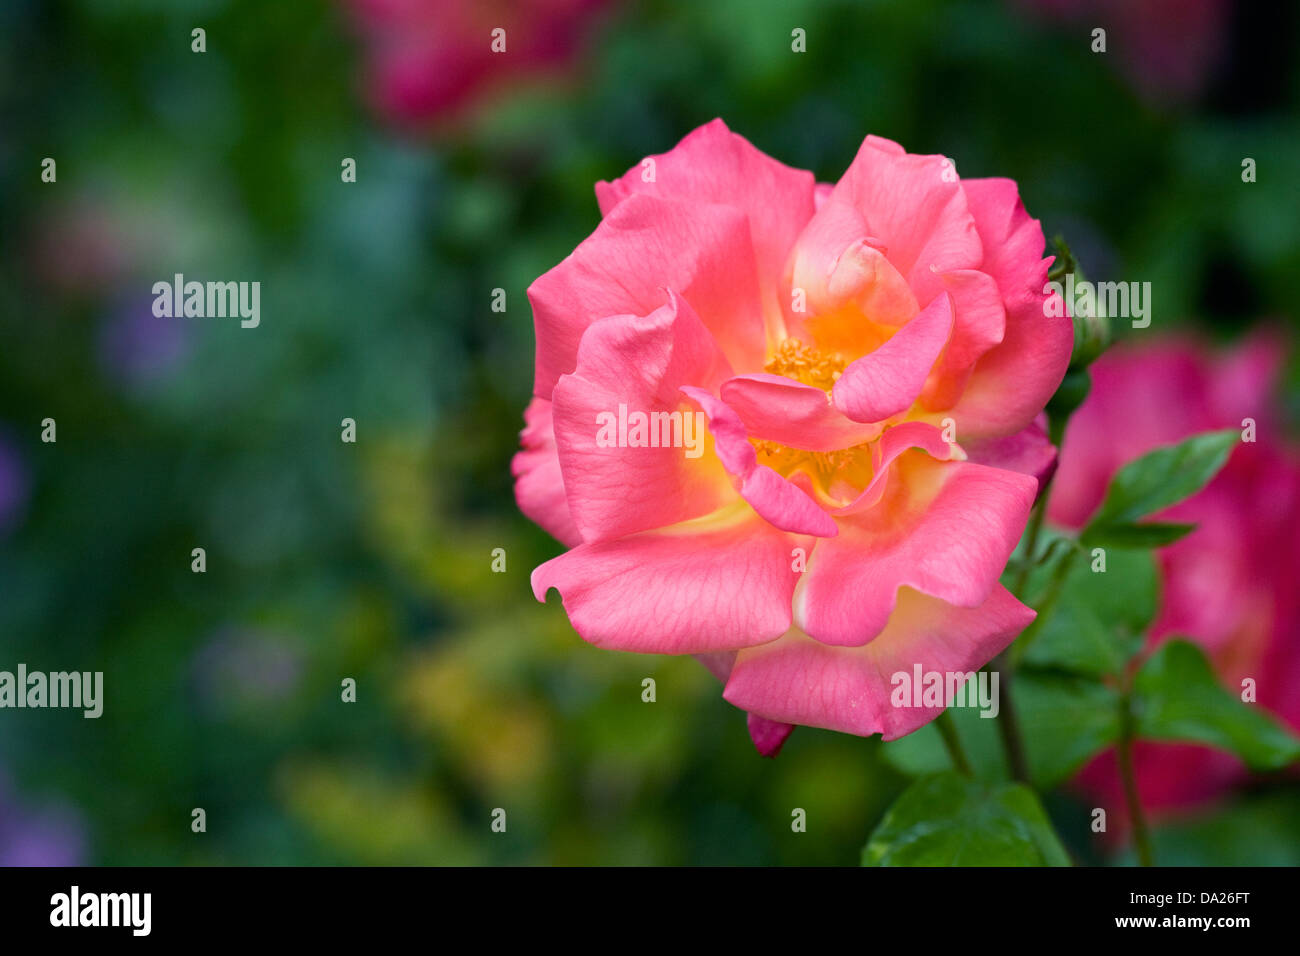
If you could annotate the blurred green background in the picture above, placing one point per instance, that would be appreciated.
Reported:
(372, 560)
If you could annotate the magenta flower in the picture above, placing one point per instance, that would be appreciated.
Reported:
(13, 483)
(427, 59)
(1166, 49)
(1230, 584)
(848, 353)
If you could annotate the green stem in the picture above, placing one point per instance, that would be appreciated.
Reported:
(1031, 542)
(948, 731)
(1044, 608)
(1008, 724)
(1124, 752)
(1013, 743)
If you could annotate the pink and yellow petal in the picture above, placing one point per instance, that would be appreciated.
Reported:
(799, 680)
(943, 528)
(642, 247)
(713, 585)
(635, 365)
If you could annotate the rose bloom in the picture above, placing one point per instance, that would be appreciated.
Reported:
(871, 360)
(432, 58)
(1229, 585)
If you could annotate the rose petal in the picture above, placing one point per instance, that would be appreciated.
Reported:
(714, 165)
(796, 415)
(639, 363)
(784, 504)
(798, 680)
(713, 585)
(539, 486)
(943, 528)
(1012, 382)
(889, 380)
(642, 247)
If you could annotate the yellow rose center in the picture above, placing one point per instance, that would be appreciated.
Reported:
(805, 364)
(837, 469)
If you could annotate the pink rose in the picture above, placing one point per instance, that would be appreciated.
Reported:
(1230, 585)
(432, 58)
(870, 360)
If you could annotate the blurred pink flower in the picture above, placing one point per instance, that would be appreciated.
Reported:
(428, 59)
(1167, 49)
(1231, 584)
(80, 246)
(871, 360)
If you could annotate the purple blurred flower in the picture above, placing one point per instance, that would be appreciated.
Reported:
(13, 483)
(137, 347)
(245, 667)
(52, 836)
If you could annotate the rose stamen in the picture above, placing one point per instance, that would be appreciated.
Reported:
(805, 364)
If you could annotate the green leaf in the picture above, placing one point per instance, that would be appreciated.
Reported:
(951, 820)
(1178, 697)
(1100, 619)
(1155, 534)
(1161, 478)
(1260, 830)
(1065, 720)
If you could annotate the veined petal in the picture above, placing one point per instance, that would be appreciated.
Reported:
(539, 486)
(714, 165)
(979, 324)
(889, 380)
(919, 213)
(713, 585)
(784, 504)
(642, 247)
(799, 680)
(896, 440)
(796, 415)
(634, 366)
(1012, 382)
(943, 528)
